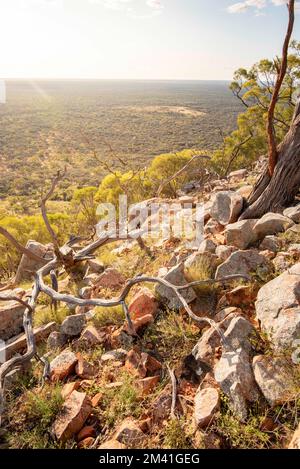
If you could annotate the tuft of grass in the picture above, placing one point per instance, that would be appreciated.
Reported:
(175, 435)
(203, 268)
(172, 336)
(121, 402)
(108, 316)
(44, 315)
(30, 421)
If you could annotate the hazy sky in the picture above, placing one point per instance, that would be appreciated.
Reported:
(154, 39)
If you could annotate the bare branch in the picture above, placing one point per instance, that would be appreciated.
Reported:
(174, 392)
(281, 68)
(18, 246)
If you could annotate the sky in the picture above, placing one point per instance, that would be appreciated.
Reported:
(138, 39)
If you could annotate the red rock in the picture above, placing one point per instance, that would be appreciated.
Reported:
(86, 432)
(87, 443)
(140, 323)
(84, 369)
(112, 444)
(143, 303)
(147, 385)
(72, 416)
(207, 402)
(142, 363)
(97, 399)
(92, 336)
(63, 365)
(111, 278)
(69, 388)
(129, 433)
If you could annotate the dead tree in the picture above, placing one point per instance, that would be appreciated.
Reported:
(280, 181)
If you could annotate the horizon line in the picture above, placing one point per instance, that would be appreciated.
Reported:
(108, 79)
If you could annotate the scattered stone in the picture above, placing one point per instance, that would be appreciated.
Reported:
(294, 249)
(129, 433)
(142, 363)
(213, 227)
(85, 293)
(162, 405)
(227, 313)
(97, 399)
(112, 444)
(245, 191)
(244, 263)
(18, 344)
(176, 277)
(72, 416)
(238, 334)
(56, 340)
(270, 243)
(275, 379)
(97, 267)
(63, 365)
(143, 303)
(69, 388)
(91, 336)
(295, 443)
(242, 295)
(278, 307)
(293, 213)
(73, 325)
(270, 224)
(114, 355)
(86, 432)
(147, 385)
(27, 266)
(224, 252)
(110, 278)
(238, 175)
(207, 246)
(235, 376)
(11, 315)
(283, 261)
(240, 234)
(86, 443)
(84, 369)
(207, 402)
(226, 207)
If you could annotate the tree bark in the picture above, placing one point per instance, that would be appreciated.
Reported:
(273, 194)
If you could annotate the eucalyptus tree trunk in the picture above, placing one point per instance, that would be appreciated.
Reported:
(274, 193)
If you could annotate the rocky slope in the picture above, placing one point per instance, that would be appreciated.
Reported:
(237, 384)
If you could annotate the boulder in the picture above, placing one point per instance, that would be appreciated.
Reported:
(275, 379)
(238, 334)
(11, 315)
(56, 340)
(114, 355)
(28, 267)
(69, 388)
(147, 385)
(240, 234)
(95, 266)
(270, 224)
(245, 191)
(129, 433)
(111, 278)
(283, 261)
(73, 325)
(224, 252)
(235, 376)
(18, 344)
(112, 444)
(63, 365)
(270, 243)
(207, 246)
(207, 403)
(278, 307)
(238, 175)
(244, 263)
(226, 207)
(86, 432)
(293, 213)
(213, 227)
(143, 303)
(72, 416)
(176, 277)
(84, 369)
(91, 336)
